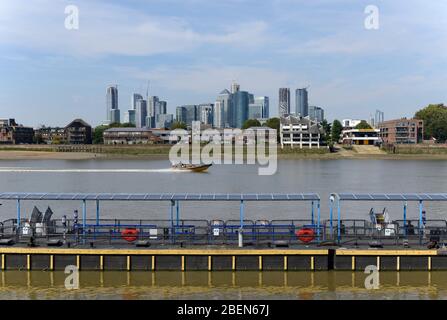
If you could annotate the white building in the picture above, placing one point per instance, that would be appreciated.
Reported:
(297, 131)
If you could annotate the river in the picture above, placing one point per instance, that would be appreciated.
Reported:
(155, 176)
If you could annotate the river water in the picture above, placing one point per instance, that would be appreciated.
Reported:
(223, 285)
(155, 176)
(293, 176)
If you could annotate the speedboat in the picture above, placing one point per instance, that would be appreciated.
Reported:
(191, 167)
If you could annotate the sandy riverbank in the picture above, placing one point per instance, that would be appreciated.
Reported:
(44, 155)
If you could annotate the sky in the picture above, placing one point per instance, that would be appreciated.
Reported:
(190, 50)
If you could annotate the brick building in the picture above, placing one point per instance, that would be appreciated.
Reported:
(402, 131)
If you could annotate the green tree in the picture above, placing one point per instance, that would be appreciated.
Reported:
(178, 125)
(327, 131)
(251, 123)
(363, 125)
(273, 123)
(435, 121)
(336, 130)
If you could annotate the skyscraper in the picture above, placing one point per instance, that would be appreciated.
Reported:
(133, 103)
(223, 110)
(140, 113)
(264, 102)
(235, 87)
(284, 102)
(152, 106)
(187, 114)
(316, 113)
(218, 115)
(113, 113)
(206, 113)
(241, 101)
(301, 103)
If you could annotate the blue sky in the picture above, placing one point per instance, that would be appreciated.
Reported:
(191, 49)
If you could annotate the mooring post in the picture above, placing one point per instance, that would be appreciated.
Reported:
(421, 230)
(97, 212)
(331, 216)
(172, 219)
(18, 216)
(312, 213)
(318, 221)
(84, 219)
(405, 218)
(241, 228)
(338, 220)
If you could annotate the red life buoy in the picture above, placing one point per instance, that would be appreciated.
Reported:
(305, 235)
(129, 234)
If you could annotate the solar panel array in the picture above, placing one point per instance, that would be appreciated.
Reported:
(392, 196)
(161, 196)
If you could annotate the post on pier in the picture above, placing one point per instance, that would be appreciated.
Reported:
(405, 218)
(97, 212)
(172, 218)
(338, 221)
(421, 229)
(331, 215)
(312, 213)
(241, 228)
(318, 221)
(84, 219)
(178, 212)
(18, 215)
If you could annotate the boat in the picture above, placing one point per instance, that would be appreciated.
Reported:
(191, 167)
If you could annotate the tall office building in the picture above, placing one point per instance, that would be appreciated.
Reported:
(140, 113)
(265, 103)
(113, 113)
(133, 103)
(206, 111)
(316, 113)
(223, 110)
(255, 111)
(284, 102)
(301, 103)
(163, 120)
(235, 87)
(162, 107)
(241, 101)
(187, 114)
(129, 116)
(152, 106)
(218, 115)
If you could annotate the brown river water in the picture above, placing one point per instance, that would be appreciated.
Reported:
(223, 285)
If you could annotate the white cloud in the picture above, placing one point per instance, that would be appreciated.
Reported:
(109, 29)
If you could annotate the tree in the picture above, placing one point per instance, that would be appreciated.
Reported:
(435, 121)
(251, 123)
(178, 125)
(327, 131)
(273, 123)
(363, 125)
(336, 130)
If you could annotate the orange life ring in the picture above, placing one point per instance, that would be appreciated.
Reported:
(129, 234)
(305, 235)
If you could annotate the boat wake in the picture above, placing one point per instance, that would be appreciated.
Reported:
(45, 170)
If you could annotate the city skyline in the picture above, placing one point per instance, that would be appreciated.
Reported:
(189, 52)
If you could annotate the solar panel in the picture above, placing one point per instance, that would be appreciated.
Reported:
(265, 197)
(278, 197)
(141, 196)
(221, 197)
(249, 197)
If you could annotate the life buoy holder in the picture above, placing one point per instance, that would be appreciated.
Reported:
(305, 235)
(129, 234)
